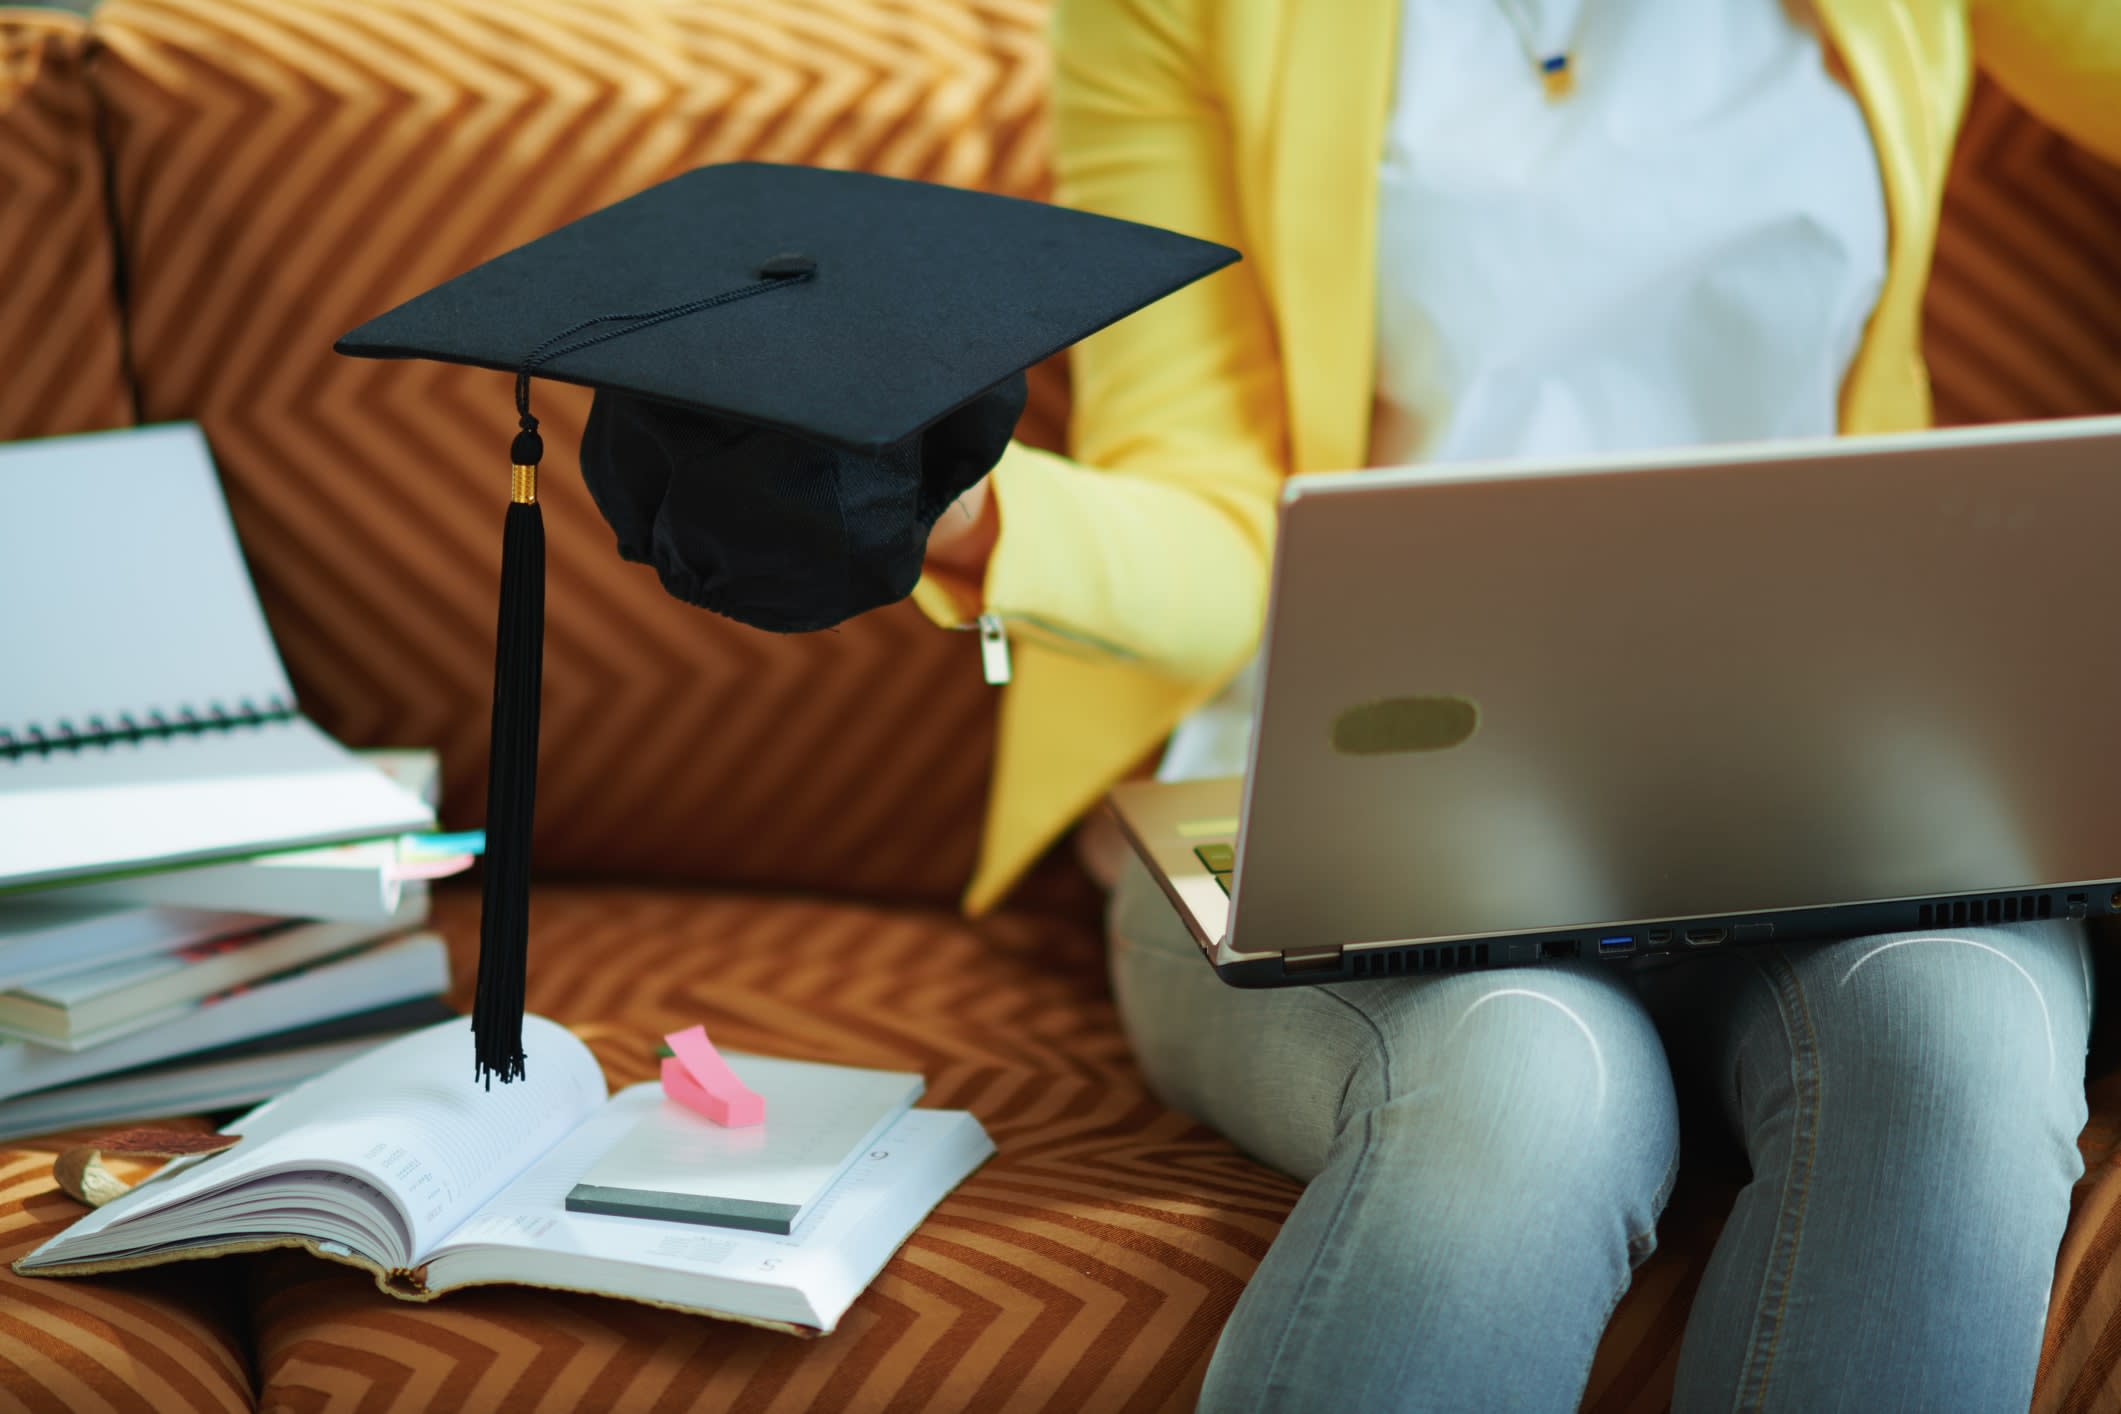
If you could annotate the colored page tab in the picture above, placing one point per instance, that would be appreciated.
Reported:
(440, 866)
(461, 842)
(696, 1076)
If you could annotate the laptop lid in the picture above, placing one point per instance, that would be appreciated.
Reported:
(1502, 699)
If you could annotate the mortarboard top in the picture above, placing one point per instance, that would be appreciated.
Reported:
(923, 297)
(851, 312)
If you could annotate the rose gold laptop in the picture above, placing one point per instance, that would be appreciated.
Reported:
(1510, 714)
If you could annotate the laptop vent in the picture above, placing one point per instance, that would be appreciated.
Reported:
(1416, 962)
(2002, 908)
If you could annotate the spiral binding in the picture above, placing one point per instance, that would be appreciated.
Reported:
(37, 739)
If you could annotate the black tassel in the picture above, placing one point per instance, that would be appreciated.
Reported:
(511, 787)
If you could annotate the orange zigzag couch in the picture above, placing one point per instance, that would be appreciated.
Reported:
(196, 196)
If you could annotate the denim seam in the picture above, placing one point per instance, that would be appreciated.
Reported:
(1803, 1039)
(1377, 1033)
(1627, 1278)
(1664, 1194)
(1325, 1243)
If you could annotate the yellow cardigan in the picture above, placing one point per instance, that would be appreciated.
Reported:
(1133, 577)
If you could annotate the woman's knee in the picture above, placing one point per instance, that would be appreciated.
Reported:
(1518, 1082)
(1967, 1034)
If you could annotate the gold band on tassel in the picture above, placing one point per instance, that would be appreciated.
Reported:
(523, 485)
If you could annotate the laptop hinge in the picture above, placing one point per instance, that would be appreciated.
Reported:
(1311, 960)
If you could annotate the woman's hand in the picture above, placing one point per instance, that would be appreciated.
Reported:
(964, 534)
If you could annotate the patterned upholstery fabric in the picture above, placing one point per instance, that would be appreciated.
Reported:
(284, 171)
(165, 1341)
(285, 168)
(147, 1343)
(58, 320)
(1088, 1266)
(2023, 314)
(2080, 1360)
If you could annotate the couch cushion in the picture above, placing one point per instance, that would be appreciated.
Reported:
(143, 1343)
(1091, 1263)
(2023, 314)
(2080, 1359)
(58, 313)
(1088, 1266)
(287, 170)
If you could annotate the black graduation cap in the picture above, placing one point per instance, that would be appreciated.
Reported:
(797, 370)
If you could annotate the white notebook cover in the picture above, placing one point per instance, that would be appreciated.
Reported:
(124, 602)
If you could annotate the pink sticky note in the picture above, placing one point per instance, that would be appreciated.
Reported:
(696, 1076)
(439, 866)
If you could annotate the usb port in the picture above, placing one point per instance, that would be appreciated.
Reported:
(1558, 949)
(1705, 937)
(1618, 945)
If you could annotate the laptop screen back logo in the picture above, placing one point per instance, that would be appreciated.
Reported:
(1398, 724)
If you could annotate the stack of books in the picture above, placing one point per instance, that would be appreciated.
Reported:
(203, 897)
(199, 989)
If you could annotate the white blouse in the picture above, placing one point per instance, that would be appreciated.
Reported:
(1683, 250)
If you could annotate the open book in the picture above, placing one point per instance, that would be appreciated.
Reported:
(401, 1164)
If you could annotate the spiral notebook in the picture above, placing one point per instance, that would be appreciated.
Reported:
(146, 720)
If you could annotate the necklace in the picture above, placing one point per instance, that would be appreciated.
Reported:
(1555, 65)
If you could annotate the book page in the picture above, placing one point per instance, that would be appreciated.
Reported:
(411, 1119)
(408, 1120)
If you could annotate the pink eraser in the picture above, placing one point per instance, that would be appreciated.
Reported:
(696, 1076)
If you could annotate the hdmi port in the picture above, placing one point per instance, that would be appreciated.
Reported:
(1705, 937)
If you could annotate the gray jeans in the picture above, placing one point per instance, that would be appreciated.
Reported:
(1486, 1156)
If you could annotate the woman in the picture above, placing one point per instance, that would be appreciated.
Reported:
(1491, 228)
